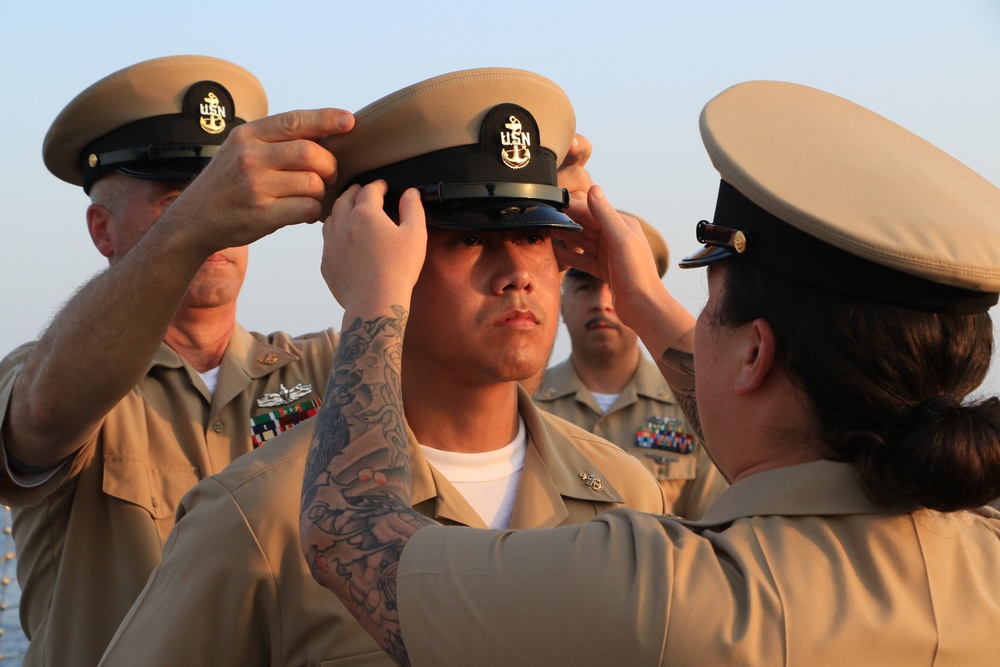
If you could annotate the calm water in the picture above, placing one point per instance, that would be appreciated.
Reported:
(13, 643)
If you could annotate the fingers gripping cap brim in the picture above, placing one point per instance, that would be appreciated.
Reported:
(657, 244)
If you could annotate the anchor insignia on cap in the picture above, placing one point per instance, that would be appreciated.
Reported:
(518, 155)
(213, 116)
(283, 396)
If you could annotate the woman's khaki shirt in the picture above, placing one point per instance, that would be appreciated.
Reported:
(792, 566)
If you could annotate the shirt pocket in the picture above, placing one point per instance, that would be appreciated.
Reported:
(666, 448)
(156, 490)
(667, 465)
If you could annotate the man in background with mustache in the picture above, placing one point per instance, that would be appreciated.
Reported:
(609, 387)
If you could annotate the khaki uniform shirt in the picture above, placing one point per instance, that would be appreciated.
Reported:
(89, 537)
(234, 589)
(690, 481)
(792, 566)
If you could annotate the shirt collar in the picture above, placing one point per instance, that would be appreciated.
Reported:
(817, 488)
(254, 357)
(247, 358)
(560, 380)
(551, 474)
(649, 382)
(564, 463)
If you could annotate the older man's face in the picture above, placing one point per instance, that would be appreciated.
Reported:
(139, 204)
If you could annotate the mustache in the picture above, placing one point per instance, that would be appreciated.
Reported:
(599, 319)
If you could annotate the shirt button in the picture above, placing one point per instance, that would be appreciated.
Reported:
(217, 426)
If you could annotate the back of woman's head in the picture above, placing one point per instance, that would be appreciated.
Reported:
(888, 385)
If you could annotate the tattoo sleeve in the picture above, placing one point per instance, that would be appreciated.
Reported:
(677, 368)
(355, 516)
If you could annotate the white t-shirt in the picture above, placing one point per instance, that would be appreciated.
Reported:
(211, 378)
(604, 401)
(487, 480)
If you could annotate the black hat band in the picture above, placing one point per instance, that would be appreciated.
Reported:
(462, 187)
(460, 164)
(507, 180)
(169, 145)
(744, 230)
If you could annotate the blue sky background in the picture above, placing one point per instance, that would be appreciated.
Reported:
(638, 74)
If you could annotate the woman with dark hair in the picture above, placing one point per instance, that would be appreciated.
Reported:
(851, 266)
(887, 386)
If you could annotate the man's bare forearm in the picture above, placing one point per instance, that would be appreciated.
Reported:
(96, 348)
(356, 516)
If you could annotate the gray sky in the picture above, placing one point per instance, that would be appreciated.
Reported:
(638, 74)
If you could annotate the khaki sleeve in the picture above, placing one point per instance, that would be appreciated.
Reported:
(568, 595)
(22, 492)
(643, 492)
(207, 601)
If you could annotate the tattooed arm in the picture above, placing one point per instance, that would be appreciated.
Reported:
(355, 517)
(677, 368)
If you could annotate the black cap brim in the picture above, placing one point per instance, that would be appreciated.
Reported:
(182, 170)
(497, 217)
(705, 256)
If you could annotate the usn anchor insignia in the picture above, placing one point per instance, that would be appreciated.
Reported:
(213, 116)
(518, 155)
(593, 482)
(284, 396)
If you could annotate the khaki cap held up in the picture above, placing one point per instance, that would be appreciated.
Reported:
(157, 119)
(826, 191)
(482, 145)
